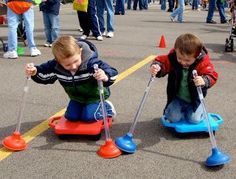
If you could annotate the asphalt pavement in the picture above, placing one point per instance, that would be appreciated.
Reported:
(160, 152)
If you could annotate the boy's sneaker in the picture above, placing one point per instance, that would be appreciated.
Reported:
(112, 108)
(34, 52)
(10, 54)
(110, 34)
(99, 38)
(83, 37)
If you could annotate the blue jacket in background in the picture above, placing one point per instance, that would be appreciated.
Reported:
(50, 6)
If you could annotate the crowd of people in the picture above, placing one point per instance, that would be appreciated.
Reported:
(92, 20)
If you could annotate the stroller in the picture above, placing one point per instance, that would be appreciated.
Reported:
(229, 42)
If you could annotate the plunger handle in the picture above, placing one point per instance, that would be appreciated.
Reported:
(22, 107)
(102, 100)
(131, 131)
(200, 94)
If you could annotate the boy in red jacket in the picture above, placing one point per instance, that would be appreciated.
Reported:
(182, 98)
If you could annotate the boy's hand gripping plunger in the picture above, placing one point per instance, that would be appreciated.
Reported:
(109, 149)
(126, 143)
(15, 142)
(217, 157)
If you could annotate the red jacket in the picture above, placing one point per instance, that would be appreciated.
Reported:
(169, 65)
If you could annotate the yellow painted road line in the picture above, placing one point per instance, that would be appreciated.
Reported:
(43, 126)
(132, 69)
(31, 134)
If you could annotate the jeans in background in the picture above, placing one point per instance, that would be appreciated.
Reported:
(13, 21)
(179, 11)
(211, 9)
(51, 26)
(101, 6)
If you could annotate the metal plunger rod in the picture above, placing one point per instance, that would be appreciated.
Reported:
(21, 110)
(199, 90)
(102, 100)
(131, 131)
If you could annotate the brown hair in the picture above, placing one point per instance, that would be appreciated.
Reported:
(188, 44)
(65, 47)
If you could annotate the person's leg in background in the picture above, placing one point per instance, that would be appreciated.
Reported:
(221, 9)
(135, 4)
(181, 10)
(47, 29)
(118, 7)
(100, 13)
(171, 5)
(129, 2)
(13, 21)
(28, 17)
(211, 9)
(93, 19)
(110, 18)
(83, 20)
(55, 26)
(163, 5)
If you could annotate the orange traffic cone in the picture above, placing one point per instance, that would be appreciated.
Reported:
(162, 43)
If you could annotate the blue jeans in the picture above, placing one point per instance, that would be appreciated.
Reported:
(129, 4)
(86, 112)
(179, 11)
(195, 4)
(13, 21)
(179, 109)
(220, 6)
(101, 6)
(51, 26)
(163, 4)
(120, 7)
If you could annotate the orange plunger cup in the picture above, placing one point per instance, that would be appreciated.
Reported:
(15, 142)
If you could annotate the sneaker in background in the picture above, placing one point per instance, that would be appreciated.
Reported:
(99, 38)
(46, 44)
(34, 52)
(172, 19)
(10, 54)
(110, 34)
(104, 34)
(83, 37)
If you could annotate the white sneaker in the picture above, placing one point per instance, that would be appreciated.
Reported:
(10, 54)
(99, 38)
(172, 19)
(34, 52)
(83, 37)
(47, 44)
(104, 34)
(112, 108)
(110, 34)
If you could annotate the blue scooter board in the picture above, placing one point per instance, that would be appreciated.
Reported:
(183, 126)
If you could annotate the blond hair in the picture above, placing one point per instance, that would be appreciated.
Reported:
(65, 47)
(188, 44)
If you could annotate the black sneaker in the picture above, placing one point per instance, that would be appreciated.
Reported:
(223, 22)
(211, 22)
